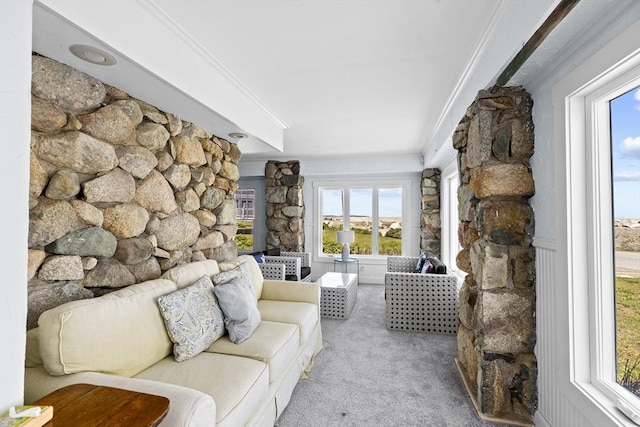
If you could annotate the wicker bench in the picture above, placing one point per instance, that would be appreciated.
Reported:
(419, 302)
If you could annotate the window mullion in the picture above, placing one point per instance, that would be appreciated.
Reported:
(375, 220)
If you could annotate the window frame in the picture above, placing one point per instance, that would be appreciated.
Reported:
(449, 183)
(346, 186)
(585, 215)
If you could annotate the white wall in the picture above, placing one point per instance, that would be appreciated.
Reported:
(560, 404)
(345, 169)
(15, 125)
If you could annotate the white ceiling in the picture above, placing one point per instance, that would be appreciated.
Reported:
(303, 78)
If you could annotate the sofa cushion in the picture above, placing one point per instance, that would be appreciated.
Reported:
(187, 408)
(238, 302)
(32, 352)
(238, 385)
(303, 314)
(193, 318)
(185, 274)
(274, 343)
(120, 333)
(255, 274)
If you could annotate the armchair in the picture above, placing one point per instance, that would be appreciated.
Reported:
(297, 266)
(272, 271)
(419, 302)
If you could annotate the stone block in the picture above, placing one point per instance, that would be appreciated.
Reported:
(467, 298)
(505, 222)
(467, 352)
(50, 220)
(466, 203)
(109, 273)
(46, 116)
(109, 124)
(523, 267)
(91, 241)
(522, 138)
(508, 325)
(44, 296)
(134, 250)
(116, 186)
(35, 258)
(126, 220)
(490, 264)
(276, 194)
(467, 234)
(295, 197)
(70, 89)
(430, 201)
(61, 267)
(463, 261)
(499, 179)
(480, 138)
(494, 397)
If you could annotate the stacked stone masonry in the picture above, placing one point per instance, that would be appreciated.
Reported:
(430, 217)
(496, 336)
(284, 205)
(119, 191)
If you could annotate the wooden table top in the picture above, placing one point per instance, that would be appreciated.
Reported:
(90, 405)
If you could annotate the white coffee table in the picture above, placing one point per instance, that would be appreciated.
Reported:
(339, 292)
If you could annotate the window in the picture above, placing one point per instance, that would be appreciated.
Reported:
(245, 214)
(625, 167)
(591, 145)
(449, 205)
(373, 212)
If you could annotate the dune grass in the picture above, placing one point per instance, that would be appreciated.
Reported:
(628, 332)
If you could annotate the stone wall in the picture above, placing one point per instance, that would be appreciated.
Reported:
(497, 336)
(284, 205)
(119, 191)
(430, 217)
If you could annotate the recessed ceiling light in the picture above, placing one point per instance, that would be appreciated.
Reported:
(238, 135)
(92, 54)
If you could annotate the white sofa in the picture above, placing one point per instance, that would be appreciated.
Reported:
(120, 340)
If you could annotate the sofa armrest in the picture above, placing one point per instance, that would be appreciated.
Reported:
(187, 407)
(278, 290)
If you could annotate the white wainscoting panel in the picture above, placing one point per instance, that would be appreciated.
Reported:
(554, 409)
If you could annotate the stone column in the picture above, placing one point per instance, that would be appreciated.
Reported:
(430, 217)
(284, 205)
(497, 335)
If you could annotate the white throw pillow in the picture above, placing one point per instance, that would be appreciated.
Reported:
(238, 301)
(193, 318)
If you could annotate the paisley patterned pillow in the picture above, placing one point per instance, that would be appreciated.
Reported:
(193, 318)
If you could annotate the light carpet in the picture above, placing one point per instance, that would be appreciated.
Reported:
(367, 375)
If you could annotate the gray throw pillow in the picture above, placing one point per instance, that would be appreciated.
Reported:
(192, 317)
(238, 302)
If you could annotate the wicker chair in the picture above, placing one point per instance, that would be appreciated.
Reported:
(297, 265)
(419, 302)
(272, 271)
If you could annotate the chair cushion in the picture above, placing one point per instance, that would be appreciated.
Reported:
(303, 314)
(238, 385)
(274, 343)
(304, 272)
